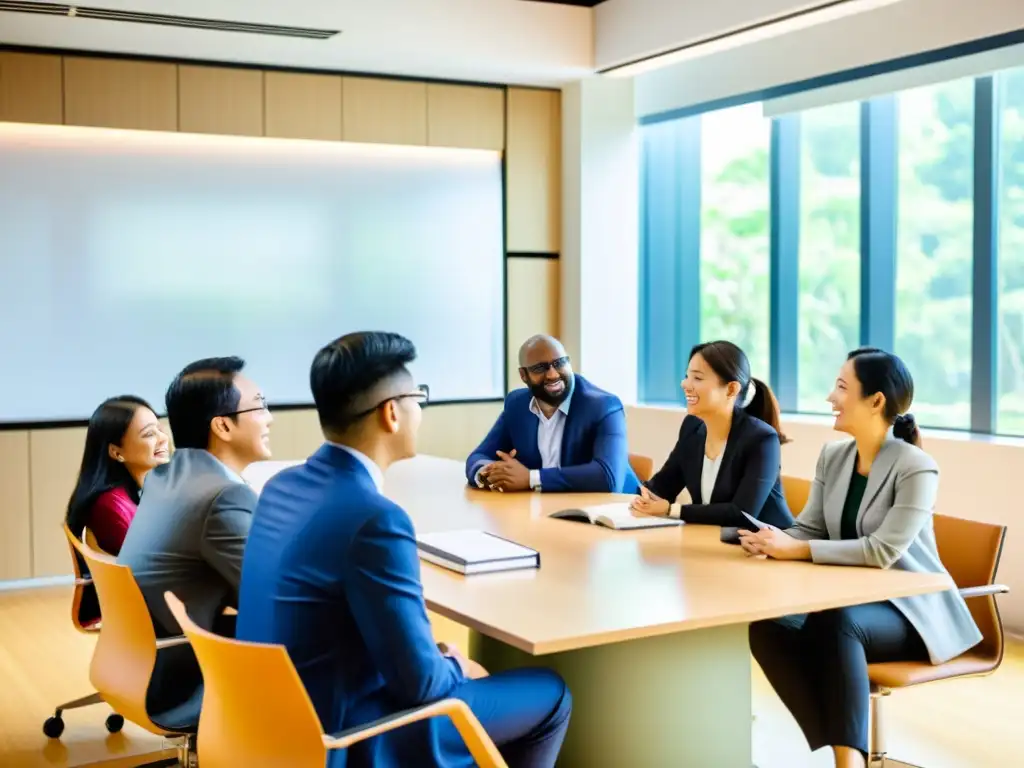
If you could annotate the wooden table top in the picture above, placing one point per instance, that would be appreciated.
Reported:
(596, 585)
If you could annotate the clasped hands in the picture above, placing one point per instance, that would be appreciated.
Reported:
(771, 542)
(471, 669)
(506, 474)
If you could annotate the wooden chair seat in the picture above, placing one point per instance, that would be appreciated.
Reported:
(903, 674)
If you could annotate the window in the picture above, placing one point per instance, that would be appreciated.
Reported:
(734, 238)
(829, 292)
(935, 247)
(1010, 334)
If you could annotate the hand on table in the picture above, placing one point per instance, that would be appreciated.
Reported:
(649, 504)
(506, 474)
(470, 668)
(774, 543)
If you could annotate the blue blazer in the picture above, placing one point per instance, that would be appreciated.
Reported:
(595, 454)
(331, 572)
(748, 478)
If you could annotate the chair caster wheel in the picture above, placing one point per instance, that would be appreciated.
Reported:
(114, 723)
(53, 727)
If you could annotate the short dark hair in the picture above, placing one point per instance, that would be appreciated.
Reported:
(881, 371)
(730, 363)
(350, 366)
(202, 391)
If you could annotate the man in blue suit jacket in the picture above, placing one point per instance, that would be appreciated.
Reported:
(560, 433)
(332, 573)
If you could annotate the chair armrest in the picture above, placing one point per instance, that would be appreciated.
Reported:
(170, 642)
(473, 734)
(984, 591)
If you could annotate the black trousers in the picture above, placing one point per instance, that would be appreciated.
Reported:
(818, 665)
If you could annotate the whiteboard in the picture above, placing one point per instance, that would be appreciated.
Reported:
(125, 255)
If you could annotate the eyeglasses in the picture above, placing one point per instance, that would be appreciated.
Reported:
(262, 407)
(421, 395)
(542, 368)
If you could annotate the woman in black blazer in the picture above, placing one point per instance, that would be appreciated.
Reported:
(728, 455)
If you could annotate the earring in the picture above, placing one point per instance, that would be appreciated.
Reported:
(121, 459)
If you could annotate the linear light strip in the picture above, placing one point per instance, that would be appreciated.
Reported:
(810, 17)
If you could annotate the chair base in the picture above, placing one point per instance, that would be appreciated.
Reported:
(186, 757)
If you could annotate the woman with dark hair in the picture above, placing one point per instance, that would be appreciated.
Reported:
(870, 506)
(123, 442)
(728, 455)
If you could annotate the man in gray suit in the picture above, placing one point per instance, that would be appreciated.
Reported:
(195, 512)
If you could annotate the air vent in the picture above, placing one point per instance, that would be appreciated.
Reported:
(167, 20)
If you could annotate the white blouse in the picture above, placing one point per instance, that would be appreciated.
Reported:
(708, 476)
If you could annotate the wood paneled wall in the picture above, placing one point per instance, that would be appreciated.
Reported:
(38, 466)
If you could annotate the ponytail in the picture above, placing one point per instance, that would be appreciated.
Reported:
(905, 428)
(760, 403)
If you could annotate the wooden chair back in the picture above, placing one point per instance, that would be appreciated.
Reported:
(796, 491)
(262, 719)
(642, 466)
(125, 654)
(970, 551)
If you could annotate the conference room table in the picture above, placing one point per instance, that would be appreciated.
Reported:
(648, 627)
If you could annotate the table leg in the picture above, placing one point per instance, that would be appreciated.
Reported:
(657, 702)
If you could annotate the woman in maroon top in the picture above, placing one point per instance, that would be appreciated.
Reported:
(124, 441)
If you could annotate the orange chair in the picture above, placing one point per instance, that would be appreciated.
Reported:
(970, 551)
(266, 720)
(796, 490)
(85, 617)
(126, 653)
(642, 466)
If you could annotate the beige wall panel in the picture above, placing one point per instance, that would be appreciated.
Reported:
(301, 106)
(220, 100)
(453, 431)
(533, 305)
(533, 160)
(381, 111)
(15, 512)
(31, 88)
(55, 456)
(114, 93)
(465, 116)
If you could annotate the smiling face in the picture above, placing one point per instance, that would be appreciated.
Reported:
(144, 444)
(853, 412)
(706, 393)
(547, 371)
(252, 434)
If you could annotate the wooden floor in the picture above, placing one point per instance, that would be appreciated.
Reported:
(43, 661)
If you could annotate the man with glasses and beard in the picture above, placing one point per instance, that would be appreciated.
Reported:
(561, 433)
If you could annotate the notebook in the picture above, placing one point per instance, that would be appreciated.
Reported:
(472, 551)
(616, 515)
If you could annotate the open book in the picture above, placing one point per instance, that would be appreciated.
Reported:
(616, 515)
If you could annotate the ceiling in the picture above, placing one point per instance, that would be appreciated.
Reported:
(538, 42)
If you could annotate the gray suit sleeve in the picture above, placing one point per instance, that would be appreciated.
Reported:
(810, 523)
(916, 487)
(226, 530)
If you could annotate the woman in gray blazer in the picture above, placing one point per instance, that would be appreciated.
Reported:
(871, 506)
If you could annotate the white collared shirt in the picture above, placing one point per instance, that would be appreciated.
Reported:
(376, 474)
(549, 437)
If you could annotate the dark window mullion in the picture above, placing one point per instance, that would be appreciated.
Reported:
(785, 260)
(878, 221)
(985, 301)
